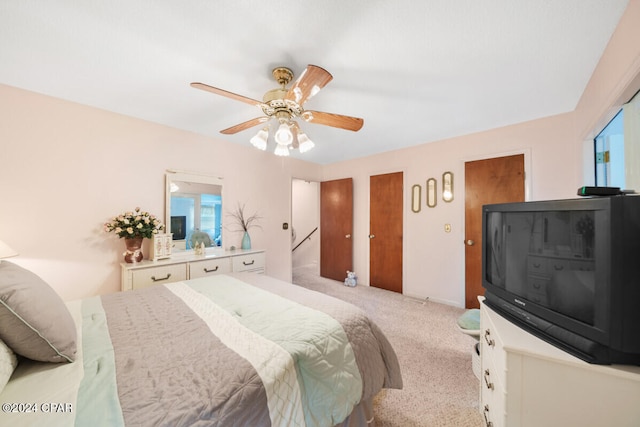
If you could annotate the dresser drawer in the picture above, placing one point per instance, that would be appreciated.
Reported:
(492, 351)
(209, 267)
(158, 275)
(493, 373)
(537, 265)
(493, 406)
(537, 289)
(250, 262)
(491, 391)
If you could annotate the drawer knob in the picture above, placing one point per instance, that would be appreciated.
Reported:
(249, 263)
(487, 338)
(210, 270)
(161, 278)
(486, 418)
(487, 379)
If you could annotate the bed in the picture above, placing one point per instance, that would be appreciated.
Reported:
(226, 350)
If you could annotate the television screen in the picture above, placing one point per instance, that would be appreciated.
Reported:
(179, 227)
(547, 258)
(567, 271)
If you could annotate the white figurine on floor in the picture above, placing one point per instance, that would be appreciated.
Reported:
(351, 279)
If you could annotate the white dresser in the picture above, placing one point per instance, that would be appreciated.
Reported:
(184, 266)
(528, 382)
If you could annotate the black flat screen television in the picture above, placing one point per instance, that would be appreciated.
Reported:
(568, 271)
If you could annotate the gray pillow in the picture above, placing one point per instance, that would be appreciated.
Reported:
(34, 321)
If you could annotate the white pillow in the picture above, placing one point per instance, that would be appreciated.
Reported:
(8, 363)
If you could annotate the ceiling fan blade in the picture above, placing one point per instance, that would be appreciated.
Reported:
(226, 93)
(308, 84)
(334, 120)
(243, 126)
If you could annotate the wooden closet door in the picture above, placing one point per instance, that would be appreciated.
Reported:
(336, 227)
(497, 180)
(385, 231)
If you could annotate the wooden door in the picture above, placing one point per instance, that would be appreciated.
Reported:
(385, 231)
(497, 180)
(336, 227)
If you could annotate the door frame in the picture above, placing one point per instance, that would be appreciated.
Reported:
(527, 196)
(317, 213)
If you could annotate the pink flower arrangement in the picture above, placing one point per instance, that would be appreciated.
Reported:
(134, 224)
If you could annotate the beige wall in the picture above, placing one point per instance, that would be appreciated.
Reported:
(558, 159)
(433, 258)
(66, 168)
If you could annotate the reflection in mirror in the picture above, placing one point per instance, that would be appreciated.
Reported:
(193, 210)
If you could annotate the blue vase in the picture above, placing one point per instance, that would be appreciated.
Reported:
(246, 241)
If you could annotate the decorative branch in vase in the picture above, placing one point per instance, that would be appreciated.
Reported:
(244, 222)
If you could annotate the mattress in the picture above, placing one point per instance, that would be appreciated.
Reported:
(239, 349)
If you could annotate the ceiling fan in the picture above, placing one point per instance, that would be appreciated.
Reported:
(285, 105)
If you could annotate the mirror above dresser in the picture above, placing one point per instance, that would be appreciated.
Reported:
(193, 210)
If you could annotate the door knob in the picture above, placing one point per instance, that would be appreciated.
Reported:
(347, 236)
(469, 242)
(371, 236)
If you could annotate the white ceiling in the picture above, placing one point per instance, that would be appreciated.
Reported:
(416, 71)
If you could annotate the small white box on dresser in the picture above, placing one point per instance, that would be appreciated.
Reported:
(161, 245)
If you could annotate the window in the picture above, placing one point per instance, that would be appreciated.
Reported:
(617, 159)
(609, 154)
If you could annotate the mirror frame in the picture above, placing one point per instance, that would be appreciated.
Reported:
(172, 176)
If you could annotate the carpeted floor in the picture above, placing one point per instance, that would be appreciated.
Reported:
(440, 389)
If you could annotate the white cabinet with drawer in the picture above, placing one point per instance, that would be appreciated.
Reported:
(162, 274)
(209, 267)
(189, 266)
(250, 262)
(527, 382)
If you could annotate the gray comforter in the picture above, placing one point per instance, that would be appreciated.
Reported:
(243, 350)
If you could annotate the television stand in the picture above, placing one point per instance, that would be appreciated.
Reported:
(526, 381)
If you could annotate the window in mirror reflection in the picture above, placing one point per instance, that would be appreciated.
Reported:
(196, 218)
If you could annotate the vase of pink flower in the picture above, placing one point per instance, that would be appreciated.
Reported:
(134, 227)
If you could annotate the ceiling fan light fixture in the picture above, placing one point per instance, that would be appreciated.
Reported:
(281, 150)
(305, 143)
(260, 139)
(284, 106)
(283, 135)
